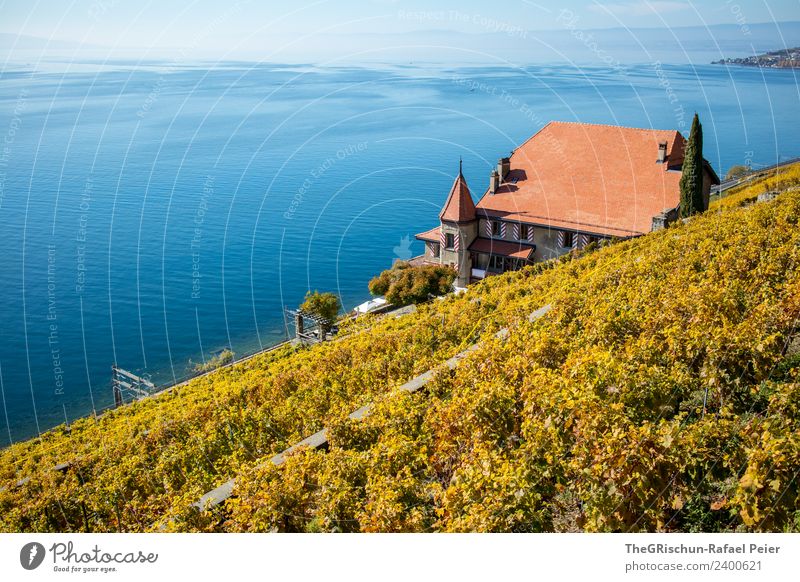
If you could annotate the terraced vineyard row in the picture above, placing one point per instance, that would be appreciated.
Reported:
(144, 462)
(659, 392)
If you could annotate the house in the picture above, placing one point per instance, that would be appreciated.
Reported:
(568, 185)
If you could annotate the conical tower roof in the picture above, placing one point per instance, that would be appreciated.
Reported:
(459, 206)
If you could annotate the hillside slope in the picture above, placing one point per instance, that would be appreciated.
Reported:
(591, 418)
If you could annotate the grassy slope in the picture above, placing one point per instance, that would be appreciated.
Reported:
(591, 418)
(785, 178)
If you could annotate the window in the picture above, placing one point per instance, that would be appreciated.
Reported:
(526, 232)
(495, 228)
(496, 262)
(568, 238)
(449, 240)
(434, 249)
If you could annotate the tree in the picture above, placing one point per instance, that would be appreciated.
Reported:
(404, 284)
(324, 306)
(224, 357)
(736, 172)
(691, 183)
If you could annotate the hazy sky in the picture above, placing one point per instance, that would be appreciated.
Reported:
(223, 24)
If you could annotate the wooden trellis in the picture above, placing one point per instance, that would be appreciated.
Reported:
(303, 331)
(128, 386)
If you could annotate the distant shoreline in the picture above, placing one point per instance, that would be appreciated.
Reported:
(780, 59)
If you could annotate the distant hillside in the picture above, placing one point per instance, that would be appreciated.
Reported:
(573, 40)
(660, 392)
(10, 41)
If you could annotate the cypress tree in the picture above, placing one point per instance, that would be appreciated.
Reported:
(691, 183)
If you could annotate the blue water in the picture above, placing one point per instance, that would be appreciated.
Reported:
(152, 214)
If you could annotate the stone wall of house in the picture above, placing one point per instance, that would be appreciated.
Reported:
(432, 251)
(665, 218)
(461, 259)
(545, 239)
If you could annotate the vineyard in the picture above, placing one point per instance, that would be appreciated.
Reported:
(659, 393)
(785, 178)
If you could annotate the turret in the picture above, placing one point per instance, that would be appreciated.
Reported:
(459, 228)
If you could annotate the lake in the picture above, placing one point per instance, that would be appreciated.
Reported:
(151, 214)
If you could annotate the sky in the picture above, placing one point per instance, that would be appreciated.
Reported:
(219, 25)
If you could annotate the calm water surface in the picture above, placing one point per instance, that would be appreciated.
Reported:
(151, 215)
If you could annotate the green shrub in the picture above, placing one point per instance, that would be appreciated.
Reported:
(404, 284)
(324, 306)
(222, 358)
(736, 172)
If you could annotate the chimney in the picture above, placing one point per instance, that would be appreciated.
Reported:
(662, 152)
(494, 182)
(503, 165)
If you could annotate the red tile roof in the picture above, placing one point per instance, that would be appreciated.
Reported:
(600, 179)
(501, 248)
(459, 206)
(432, 235)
